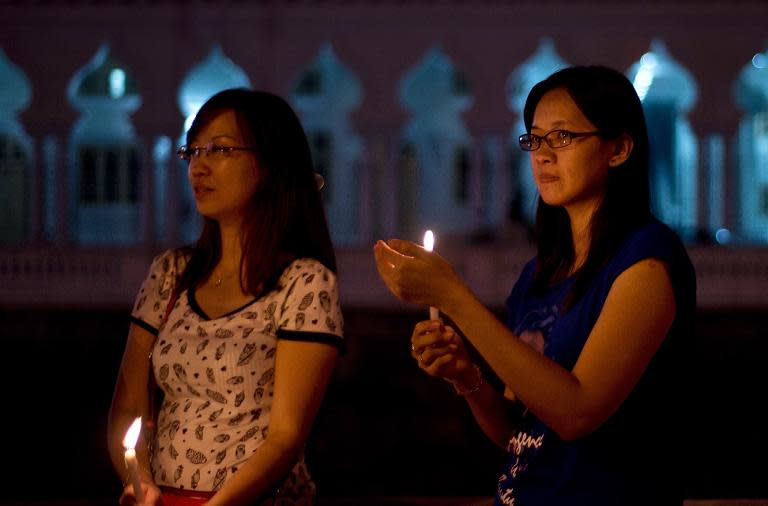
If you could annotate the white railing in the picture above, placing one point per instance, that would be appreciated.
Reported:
(50, 276)
(49, 272)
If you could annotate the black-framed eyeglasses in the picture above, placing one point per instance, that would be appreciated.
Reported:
(555, 139)
(187, 153)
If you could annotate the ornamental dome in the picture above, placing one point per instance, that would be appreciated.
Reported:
(104, 78)
(540, 65)
(659, 78)
(751, 87)
(435, 83)
(15, 89)
(327, 84)
(214, 74)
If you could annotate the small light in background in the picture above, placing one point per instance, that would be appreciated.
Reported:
(644, 76)
(117, 83)
(723, 236)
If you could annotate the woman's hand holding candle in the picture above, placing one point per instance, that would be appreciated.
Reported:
(414, 275)
(129, 442)
(429, 245)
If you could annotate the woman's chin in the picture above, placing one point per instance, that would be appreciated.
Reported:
(206, 211)
(551, 200)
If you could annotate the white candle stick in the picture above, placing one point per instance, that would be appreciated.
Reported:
(129, 442)
(429, 245)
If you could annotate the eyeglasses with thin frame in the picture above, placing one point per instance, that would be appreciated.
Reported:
(187, 153)
(554, 138)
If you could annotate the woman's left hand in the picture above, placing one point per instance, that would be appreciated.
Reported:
(150, 492)
(413, 274)
(439, 351)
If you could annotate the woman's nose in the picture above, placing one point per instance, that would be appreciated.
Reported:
(198, 165)
(544, 154)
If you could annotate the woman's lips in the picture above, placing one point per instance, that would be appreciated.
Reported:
(548, 178)
(201, 191)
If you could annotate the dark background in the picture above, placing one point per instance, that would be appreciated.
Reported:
(385, 428)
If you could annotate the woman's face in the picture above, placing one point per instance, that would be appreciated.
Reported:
(573, 176)
(223, 182)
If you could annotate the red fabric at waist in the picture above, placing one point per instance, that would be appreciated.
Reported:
(183, 497)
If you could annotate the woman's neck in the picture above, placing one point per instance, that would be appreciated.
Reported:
(581, 237)
(231, 247)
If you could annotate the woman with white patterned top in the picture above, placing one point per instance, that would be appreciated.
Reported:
(241, 330)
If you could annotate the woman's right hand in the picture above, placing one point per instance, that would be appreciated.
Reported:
(440, 352)
(152, 494)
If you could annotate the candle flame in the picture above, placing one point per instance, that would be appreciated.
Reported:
(133, 434)
(429, 240)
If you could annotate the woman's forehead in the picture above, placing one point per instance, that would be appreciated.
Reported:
(222, 124)
(557, 109)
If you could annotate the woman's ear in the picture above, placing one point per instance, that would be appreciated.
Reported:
(622, 148)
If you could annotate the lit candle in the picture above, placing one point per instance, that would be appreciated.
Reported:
(429, 245)
(129, 442)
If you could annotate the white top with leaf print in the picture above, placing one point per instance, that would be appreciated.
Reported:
(217, 375)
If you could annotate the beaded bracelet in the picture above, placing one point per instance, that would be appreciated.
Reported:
(464, 391)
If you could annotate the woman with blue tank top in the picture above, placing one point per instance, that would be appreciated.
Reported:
(592, 353)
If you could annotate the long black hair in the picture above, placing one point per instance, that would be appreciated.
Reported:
(609, 101)
(284, 219)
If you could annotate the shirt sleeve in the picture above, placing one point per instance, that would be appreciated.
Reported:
(657, 240)
(654, 240)
(155, 293)
(311, 310)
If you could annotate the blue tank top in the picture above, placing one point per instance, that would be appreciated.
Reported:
(630, 459)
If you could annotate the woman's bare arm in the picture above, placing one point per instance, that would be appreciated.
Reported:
(635, 318)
